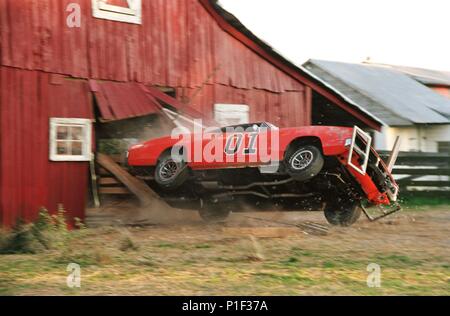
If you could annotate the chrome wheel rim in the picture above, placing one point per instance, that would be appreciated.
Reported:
(302, 159)
(168, 170)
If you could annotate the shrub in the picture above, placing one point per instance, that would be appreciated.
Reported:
(20, 240)
(47, 232)
(112, 146)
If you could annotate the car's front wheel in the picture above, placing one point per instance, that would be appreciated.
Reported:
(342, 213)
(170, 173)
(304, 163)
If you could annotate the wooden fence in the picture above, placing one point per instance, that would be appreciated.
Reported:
(418, 171)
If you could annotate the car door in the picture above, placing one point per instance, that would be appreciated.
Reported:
(232, 148)
(242, 148)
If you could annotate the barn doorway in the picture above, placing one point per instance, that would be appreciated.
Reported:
(325, 112)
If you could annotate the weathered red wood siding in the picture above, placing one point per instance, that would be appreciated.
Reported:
(282, 109)
(27, 179)
(178, 45)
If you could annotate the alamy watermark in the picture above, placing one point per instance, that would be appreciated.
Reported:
(374, 276)
(73, 19)
(74, 278)
(246, 143)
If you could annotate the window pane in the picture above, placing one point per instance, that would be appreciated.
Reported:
(62, 148)
(68, 138)
(62, 132)
(77, 132)
(77, 148)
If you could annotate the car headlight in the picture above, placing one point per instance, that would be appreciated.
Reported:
(348, 142)
(136, 146)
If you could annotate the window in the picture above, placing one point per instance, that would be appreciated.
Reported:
(231, 114)
(129, 11)
(70, 139)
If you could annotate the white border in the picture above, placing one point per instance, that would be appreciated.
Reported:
(103, 10)
(86, 124)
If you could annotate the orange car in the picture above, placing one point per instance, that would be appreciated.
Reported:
(261, 164)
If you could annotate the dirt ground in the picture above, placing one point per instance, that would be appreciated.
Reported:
(247, 255)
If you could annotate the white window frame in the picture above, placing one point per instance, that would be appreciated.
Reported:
(223, 111)
(85, 124)
(102, 10)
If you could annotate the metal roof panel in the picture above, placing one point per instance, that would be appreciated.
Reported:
(395, 97)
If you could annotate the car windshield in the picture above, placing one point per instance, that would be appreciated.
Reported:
(248, 127)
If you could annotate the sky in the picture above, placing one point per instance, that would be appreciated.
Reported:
(403, 32)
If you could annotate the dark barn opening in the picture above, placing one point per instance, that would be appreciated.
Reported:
(325, 112)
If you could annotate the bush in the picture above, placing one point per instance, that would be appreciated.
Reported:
(113, 146)
(47, 232)
(20, 240)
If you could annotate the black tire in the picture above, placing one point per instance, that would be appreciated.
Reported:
(342, 214)
(304, 163)
(214, 213)
(170, 173)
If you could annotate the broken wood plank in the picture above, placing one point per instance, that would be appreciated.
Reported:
(118, 158)
(103, 172)
(146, 178)
(108, 181)
(94, 183)
(114, 190)
(142, 191)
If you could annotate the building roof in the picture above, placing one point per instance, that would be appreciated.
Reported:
(234, 27)
(122, 100)
(390, 95)
(426, 76)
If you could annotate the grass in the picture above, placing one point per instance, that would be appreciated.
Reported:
(160, 262)
(417, 200)
(151, 270)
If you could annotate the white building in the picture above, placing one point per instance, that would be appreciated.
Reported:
(407, 107)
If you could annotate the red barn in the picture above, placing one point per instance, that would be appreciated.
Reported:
(71, 68)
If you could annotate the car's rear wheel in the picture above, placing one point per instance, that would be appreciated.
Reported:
(342, 213)
(214, 212)
(170, 173)
(304, 163)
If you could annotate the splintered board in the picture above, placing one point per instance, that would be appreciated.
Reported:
(142, 191)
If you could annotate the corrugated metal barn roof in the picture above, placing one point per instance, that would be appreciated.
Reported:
(425, 76)
(390, 95)
(121, 100)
